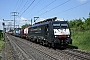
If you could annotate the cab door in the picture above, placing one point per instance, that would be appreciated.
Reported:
(46, 31)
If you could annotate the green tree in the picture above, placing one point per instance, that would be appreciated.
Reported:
(79, 24)
(87, 24)
(26, 25)
(75, 23)
(71, 23)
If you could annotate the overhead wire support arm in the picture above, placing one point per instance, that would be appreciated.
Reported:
(4, 29)
(35, 18)
(7, 20)
(12, 25)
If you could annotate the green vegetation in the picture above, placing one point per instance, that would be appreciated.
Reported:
(1, 44)
(80, 29)
(80, 24)
(26, 25)
(81, 40)
(0, 57)
(1, 41)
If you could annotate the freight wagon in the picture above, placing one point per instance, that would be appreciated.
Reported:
(22, 33)
(26, 32)
(16, 32)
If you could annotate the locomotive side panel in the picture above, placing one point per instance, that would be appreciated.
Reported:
(35, 33)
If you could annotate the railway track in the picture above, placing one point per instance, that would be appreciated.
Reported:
(31, 53)
(75, 54)
(36, 51)
(18, 50)
(82, 55)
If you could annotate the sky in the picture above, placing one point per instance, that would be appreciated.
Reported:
(28, 9)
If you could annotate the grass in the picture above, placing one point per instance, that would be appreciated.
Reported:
(81, 40)
(1, 44)
(0, 57)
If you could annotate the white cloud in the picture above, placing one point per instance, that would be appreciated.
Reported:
(82, 1)
(1, 26)
(1, 21)
(22, 18)
(20, 21)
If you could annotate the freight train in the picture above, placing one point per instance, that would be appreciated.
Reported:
(51, 32)
(16, 32)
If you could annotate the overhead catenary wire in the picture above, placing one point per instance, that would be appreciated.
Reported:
(20, 3)
(44, 7)
(16, 4)
(35, 5)
(60, 5)
(24, 5)
(27, 7)
(72, 8)
(54, 8)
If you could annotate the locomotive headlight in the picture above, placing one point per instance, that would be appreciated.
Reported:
(55, 36)
(68, 35)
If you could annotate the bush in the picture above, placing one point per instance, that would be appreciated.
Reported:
(81, 39)
(0, 57)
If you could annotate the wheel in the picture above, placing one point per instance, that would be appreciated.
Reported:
(49, 44)
(54, 45)
(37, 41)
(43, 43)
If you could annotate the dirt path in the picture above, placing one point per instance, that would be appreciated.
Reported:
(7, 52)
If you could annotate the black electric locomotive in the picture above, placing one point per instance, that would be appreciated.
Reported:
(50, 32)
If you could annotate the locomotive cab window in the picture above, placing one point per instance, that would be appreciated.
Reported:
(56, 25)
(64, 25)
(60, 25)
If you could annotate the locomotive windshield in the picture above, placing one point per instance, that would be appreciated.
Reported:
(64, 25)
(56, 26)
(61, 28)
(60, 25)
